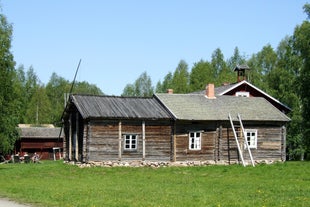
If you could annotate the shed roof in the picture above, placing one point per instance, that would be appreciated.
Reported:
(40, 132)
(199, 107)
(91, 106)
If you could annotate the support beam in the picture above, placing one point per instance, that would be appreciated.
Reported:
(174, 158)
(77, 136)
(143, 140)
(119, 140)
(70, 138)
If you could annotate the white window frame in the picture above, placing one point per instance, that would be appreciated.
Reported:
(251, 138)
(194, 141)
(243, 93)
(130, 142)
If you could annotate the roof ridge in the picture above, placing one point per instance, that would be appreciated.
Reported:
(113, 96)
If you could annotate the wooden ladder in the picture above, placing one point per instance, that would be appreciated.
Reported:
(237, 141)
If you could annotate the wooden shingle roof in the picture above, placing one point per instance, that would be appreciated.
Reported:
(199, 107)
(40, 132)
(112, 107)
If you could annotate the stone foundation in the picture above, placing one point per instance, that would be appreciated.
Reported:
(154, 164)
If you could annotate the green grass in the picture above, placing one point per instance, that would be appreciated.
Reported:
(58, 184)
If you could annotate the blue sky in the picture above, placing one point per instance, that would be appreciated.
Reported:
(119, 40)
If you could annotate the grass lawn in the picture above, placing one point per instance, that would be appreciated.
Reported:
(57, 184)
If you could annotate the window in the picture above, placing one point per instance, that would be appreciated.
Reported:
(195, 140)
(251, 138)
(130, 141)
(243, 94)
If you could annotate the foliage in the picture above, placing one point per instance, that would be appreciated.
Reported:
(39, 108)
(142, 87)
(301, 40)
(8, 91)
(201, 74)
(180, 78)
(57, 184)
(167, 84)
(58, 89)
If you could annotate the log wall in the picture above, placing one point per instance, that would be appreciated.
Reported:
(208, 142)
(270, 145)
(103, 142)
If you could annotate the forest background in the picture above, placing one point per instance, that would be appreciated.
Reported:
(284, 73)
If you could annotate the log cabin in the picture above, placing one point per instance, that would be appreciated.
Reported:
(99, 128)
(173, 127)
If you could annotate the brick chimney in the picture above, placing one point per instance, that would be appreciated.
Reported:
(170, 91)
(210, 91)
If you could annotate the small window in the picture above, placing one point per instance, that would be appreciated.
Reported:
(251, 138)
(195, 140)
(130, 141)
(243, 94)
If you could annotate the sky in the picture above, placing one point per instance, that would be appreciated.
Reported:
(118, 40)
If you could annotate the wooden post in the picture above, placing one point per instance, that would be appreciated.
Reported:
(174, 142)
(70, 137)
(143, 140)
(283, 143)
(220, 139)
(87, 141)
(119, 140)
(77, 136)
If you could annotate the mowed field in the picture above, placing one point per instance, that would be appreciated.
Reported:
(57, 184)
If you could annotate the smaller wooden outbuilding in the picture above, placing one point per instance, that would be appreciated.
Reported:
(43, 140)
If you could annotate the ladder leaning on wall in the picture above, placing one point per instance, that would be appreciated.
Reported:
(237, 140)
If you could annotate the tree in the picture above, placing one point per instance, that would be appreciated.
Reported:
(301, 40)
(9, 109)
(218, 64)
(142, 87)
(261, 65)
(56, 90)
(86, 88)
(180, 78)
(39, 108)
(236, 59)
(201, 74)
(19, 82)
(165, 85)
(129, 90)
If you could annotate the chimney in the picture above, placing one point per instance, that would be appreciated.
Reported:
(210, 91)
(170, 91)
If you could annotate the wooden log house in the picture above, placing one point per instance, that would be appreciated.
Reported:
(171, 127)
